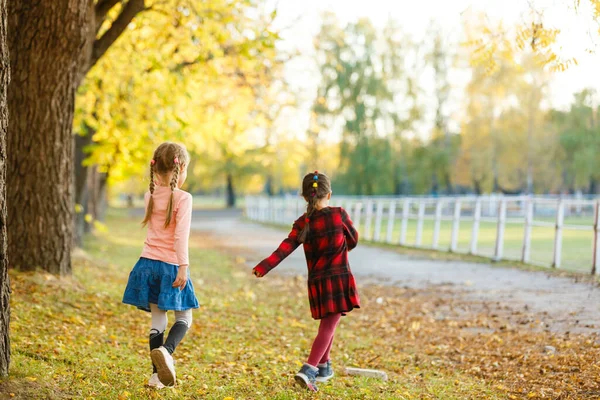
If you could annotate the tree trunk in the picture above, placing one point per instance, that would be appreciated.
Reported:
(269, 185)
(230, 191)
(593, 188)
(96, 196)
(48, 41)
(530, 128)
(4, 280)
(477, 187)
(89, 206)
(434, 184)
(101, 197)
(448, 183)
(397, 185)
(496, 186)
(81, 186)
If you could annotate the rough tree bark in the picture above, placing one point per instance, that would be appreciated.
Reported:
(52, 44)
(46, 41)
(4, 281)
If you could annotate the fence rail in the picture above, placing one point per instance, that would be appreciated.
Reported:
(555, 232)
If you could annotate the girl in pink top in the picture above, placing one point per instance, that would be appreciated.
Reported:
(160, 280)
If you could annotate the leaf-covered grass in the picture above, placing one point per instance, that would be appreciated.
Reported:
(72, 338)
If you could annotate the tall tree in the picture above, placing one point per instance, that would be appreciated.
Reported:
(75, 35)
(442, 148)
(4, 280)
(579, 131)
(488, 94)
(164, 86)
(53, 44)
(45, 41)
(401, 68)
(351, 94)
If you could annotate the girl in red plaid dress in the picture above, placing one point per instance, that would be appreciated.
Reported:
(327, 235)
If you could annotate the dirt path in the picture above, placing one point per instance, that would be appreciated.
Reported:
(534, 298)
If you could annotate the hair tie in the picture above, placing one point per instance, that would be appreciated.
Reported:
(152, 162)
(176, 160)
(313, 194)
(315, 185)
(316, 172)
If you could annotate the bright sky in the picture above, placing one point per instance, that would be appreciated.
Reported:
(302, 22)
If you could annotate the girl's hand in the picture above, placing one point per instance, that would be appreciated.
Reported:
(256, 273)
(182, 277)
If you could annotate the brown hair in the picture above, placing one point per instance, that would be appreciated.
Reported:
(312, 194)
(168, 159)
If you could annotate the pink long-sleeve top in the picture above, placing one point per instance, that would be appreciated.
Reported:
(169, 244)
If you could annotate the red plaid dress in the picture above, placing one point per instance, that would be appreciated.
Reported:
(331, 285)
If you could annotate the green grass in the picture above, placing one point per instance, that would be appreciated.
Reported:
(72, 337)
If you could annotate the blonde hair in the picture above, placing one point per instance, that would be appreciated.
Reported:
(168, 158)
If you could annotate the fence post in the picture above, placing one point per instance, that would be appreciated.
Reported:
(264, 209)
(475, 230)
(378, 218)
(420, 223)
(271, 210)
(349, 209)
(257, 208)
(356, 218)
(405, 212)
(455, 226)
(296, 206)
(527, 234)
(560, 216)
(368, 223)
(500, 231)
(436, 225)
(290, 216)
(391, 218)
(596, 246)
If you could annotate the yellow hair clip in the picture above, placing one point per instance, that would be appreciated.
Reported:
(315, 184)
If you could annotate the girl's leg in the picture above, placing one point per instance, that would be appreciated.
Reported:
(157, 330)
(324, 339)
(325, 357)
(183, 321)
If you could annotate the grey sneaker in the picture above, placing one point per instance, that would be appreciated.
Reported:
(307, 377)
(154, 382)
(325, 372)
(164, 366)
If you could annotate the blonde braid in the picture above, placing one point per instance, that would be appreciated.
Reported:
(152, 183)
(174, 180)
(150, 206)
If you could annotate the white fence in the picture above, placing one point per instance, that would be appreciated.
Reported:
(545, 231)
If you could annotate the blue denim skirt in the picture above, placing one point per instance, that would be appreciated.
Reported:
(151, 281)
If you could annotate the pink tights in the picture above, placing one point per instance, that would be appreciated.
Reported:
(322, 345)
